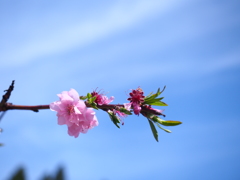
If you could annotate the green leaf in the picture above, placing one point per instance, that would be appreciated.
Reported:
(93, 98)
(160, 98)
(94, 105)
(114, 118)
(83, 97)
(89, 95)
(163, 122)
(158, 103)
(125, 111)
(154, 131)
(168, 131)
(163, 89)
(90, 98)
(152, 96)
(170, 123)
(154, 118)
(152, 99)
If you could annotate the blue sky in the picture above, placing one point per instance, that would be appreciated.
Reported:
(192, 47)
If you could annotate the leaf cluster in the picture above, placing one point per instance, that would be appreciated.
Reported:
(90, 100)
(158, 121)
(152, 99)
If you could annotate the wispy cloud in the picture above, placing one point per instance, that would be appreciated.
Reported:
(60, 38)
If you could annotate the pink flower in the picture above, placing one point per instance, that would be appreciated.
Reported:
(127, 106)
(101, 99)
(73, 112)
(136, 99)
(120, 114)
(154, 111)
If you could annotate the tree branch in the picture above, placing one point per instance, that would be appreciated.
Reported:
(104, 107)
(7, 95)
(4, 106)
(35, 108)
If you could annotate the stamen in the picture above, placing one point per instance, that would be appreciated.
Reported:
(70, 109)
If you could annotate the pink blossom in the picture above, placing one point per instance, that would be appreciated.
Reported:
(157, 111)
(136, 99)
(101, 99)
(122, 115)
(136, 108)
(73, 112)
(127, 106)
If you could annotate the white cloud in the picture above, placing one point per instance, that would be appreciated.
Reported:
(80, 33)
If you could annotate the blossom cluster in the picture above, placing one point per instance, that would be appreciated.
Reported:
(77, 111)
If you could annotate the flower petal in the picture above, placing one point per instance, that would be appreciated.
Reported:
(136, 108)
(76, 110)
(127, 106)
(74, 94)
(55, 106)
(74, 130)
(61, 120)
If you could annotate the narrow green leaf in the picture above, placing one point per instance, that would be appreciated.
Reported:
(165, 123)
(159, 99)
(83, 97)
(163, 89)
(170, 123)
(125, 111)
(151, 96)
(152, 99)
(149, 99)
(154, 131)
(168, 131)
(154, 118)
(158, 91)
(158, 103)
(114, 118)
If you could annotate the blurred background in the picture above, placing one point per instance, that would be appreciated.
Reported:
(192, 47)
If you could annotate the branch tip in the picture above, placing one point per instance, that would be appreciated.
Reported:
(7, 95)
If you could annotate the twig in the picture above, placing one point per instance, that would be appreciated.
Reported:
(10, 106)
(7, 95)
(104, 107)
(4, 106)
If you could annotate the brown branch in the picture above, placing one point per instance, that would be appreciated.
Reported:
(104, 107)
(7, 95)
(4, 106)
(10, 106)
